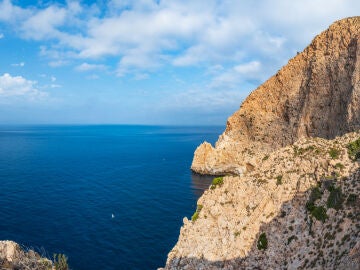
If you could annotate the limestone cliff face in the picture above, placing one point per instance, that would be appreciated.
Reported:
(305, 200)
(317, 94)
(291, 197)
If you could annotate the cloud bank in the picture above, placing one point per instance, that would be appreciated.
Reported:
(19, 86)
(146, 35)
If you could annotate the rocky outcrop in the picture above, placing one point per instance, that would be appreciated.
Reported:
(12, 257)
(304, 199)
(317, 94)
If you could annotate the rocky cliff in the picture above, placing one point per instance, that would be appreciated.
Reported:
(15, 257)
(317, 94)
(298, 209)
(291, 197)
(12, 256)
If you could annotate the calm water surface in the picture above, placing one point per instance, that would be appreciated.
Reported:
(60, 186)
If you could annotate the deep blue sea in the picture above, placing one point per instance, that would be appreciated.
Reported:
(60, 186)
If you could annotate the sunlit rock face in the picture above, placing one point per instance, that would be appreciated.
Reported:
(274, 199)
(12, 256)
(290, 175)
(317, 94)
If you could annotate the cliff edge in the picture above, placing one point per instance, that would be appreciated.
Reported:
(317, 94)
(299, 209)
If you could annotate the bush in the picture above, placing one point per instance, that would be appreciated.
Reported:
(279, 180)
(319, 212)
(354, 149)
(195, 216)
(60, 261)
(339, 166)
(334, 153)
(293, 237)
(262, 243)
(310, 206)
(351, 200)
(315, 194)
(335, 199)
(218, 181)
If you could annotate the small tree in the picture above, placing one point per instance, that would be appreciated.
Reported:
(262, 243)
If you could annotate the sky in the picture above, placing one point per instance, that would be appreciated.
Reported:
(153, 62)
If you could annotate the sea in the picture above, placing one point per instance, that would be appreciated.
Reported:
(107, 196)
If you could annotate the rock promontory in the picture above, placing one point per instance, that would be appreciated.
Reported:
(317, 94)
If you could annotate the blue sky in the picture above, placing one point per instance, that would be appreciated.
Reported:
(147, 62)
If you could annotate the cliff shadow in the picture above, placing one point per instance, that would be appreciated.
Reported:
(200, 183)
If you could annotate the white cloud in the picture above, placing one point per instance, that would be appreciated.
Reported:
(93, 77)
(43, 23)
(202, 100)
(19, 86)
(58, 63)
(143, 36)
(1, 35)
(141, 76)
(21, 64)
(11, 13)
(234, 76)
(90, 67)
(248, 68)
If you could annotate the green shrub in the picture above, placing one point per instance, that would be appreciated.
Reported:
(351, 200)
(278, 180)
(339, 166)
(315, 194)
(298, 151)
(294, 237)
(310, 206)
(265, 157)
(335, 199)
(195, 216)
(334, 153)
(354, 149)
(60, 261)
(218, 181)
(319, 212)
(262, 243)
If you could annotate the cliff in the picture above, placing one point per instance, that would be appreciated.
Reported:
(298, 209)
(317, 94)
(291, 195)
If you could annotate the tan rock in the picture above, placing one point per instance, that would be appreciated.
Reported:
(317, 94)
(275, 150)
(9, 250)
(234, 214)
(12, 256)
